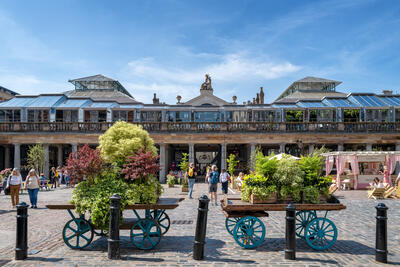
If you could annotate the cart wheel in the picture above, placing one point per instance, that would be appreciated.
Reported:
(163, 221)
(230, 224)
(321, 233)
(77, 233)
(302, 219)
(249, 232)
(146, 234)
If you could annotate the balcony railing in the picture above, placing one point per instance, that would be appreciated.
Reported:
(186, 127)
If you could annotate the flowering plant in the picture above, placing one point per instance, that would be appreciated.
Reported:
(6, 172)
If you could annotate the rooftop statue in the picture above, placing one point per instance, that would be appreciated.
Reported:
(207, 84)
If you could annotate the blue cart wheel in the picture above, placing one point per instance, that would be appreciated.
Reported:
(77, 233)
(230, 224)
(321, 233)
(302, 219)
(249, 232)
(163, 220)
(146, 234)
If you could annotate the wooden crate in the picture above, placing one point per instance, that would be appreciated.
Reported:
(273, 198)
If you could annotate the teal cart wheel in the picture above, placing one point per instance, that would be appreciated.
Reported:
(321, 234)
(230, 224)
(302, 220)
(249, 232)
(77, 233)
(146, 234)
(162, 219)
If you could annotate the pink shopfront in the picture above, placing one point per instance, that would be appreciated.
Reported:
(357, 169)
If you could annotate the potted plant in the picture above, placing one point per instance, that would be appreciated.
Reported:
(232, 165)
(263, 194)
(170, 180)
(289, 177)
(184, 165)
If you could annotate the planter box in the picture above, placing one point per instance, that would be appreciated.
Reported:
(288, 199)
(273, 198)
(185, 189)
(171, 185)
(323, 198)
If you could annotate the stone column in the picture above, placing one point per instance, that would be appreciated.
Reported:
(6, 156)
(59, 155)
(251, 158)
(397, 146)
(369, 147)
(191, 153)
(163, 164)
(223, 156)
(46, 160)
(17, 156)
(340, 147)
(74, 147)
(310, 148)
(282, 148)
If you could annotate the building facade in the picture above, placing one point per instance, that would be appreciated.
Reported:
(308, 114)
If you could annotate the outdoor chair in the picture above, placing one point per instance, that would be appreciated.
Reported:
(389, 192)
(376, 193)
(332, 189)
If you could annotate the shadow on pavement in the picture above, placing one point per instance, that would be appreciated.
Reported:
(225, 260)
(4, 262)
(129, 258)
(7, 211)
(47, 259)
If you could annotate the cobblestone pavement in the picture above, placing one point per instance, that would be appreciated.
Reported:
(355, 245)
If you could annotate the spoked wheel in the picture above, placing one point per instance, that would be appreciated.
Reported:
(77, 233)
(302, 220)
(146, 234)
(162, 219)
(230, 224)
(321, 234)
(249, 232)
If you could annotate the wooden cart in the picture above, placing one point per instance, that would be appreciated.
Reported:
(243, 223)
(145, 231)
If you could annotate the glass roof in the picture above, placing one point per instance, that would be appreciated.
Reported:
(311, 104)
(103, 105)
(367, 100)
(285, 106)
(130, 106)
(339, 103)
(74, 103)
(45, 101)
(391, 100)
(17, 102)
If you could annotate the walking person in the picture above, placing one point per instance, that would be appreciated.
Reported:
(32, 183)
(53, 177)
(191, 176)
(213, 184)
(14, 182)
(224, 179)
(60, 176)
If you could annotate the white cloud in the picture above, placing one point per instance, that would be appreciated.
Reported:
(145, 76)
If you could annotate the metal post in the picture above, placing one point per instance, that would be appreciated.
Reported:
(113, 239)
(381, 233)
(201, 227)
(21, 247)
(290, 250)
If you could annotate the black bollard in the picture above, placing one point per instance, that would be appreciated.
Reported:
(21, 247)
(113, 238)
(201, 227)
(290, 250)
(381, 233)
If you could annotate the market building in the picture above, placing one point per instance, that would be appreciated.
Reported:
(308, 114)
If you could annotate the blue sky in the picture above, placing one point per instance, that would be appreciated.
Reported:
(167, 46)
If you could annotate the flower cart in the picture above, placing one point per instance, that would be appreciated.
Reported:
(312, 225)
(145, 231)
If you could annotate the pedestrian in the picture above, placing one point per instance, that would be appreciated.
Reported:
(191, 176)
(213, 184)
(14, 182)
(53, 177)
(32, 183)
(224, 179)
(60, 176)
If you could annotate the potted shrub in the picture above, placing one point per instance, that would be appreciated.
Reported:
(232, 165)
(170, 180)
(289, 177)
(262, 194)
(290, 194)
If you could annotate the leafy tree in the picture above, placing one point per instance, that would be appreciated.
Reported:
(184, 164)
(122, 140)
(85, 163)
(141, 166)
(232, 164)
(36, 157)
(253, 158)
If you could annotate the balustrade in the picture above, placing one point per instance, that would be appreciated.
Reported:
(259, 127)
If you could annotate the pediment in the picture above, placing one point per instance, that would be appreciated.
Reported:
(206, 99)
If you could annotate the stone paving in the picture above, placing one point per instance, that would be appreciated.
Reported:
(354, 247)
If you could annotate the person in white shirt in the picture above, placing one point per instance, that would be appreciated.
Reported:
(14, 182)
(32, 182)
(224, 178)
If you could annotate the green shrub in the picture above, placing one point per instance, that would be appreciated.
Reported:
(266, 165)
(288, 173)
(170, 179)
(264, 193)
(311, 194)
(246, 193)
